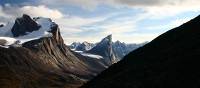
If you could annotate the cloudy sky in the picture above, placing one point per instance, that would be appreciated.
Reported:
(130, 21)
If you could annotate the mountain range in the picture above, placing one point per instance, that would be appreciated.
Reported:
(110, 51)
(33, 55)
(170, 60)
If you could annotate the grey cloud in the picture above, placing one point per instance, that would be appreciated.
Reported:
(144, 3)
(141, 2)
(11, 12)
(132, 3)
(19, 2)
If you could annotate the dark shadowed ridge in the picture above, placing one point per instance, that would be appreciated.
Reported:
(170, 60)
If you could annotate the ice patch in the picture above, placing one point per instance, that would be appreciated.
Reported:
(9, 41)
(92, 55)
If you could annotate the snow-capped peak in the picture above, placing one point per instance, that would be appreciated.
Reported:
(44, 30)
(45, 25)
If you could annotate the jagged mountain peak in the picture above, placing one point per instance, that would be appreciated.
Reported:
(86, 46)
(74, 45)
(105, 44)
(25, 16)
(107, 39)
(119, 42)
(85, 43)
(23, 25)
(104, 49)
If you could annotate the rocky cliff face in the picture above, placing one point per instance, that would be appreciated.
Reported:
(41, 61)
(104, 49)
(56, 53)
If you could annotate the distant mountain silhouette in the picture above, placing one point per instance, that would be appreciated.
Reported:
(170, 60)
(121, 49)
(111, 52)
(85, 46)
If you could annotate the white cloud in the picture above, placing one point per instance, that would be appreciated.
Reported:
(129, 3)
(72, 26)
(174, 9)
(42, 11)
(119, 27)
(179, 22)
(9, 12)
(91, 39)
(135, 37)
(170, 25)
(94, 3)
(157, 8)
(75, 21)
(2, 14)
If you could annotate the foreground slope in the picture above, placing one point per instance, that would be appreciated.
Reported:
(170, 60)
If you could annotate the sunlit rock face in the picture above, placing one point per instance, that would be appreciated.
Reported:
(36, 57)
